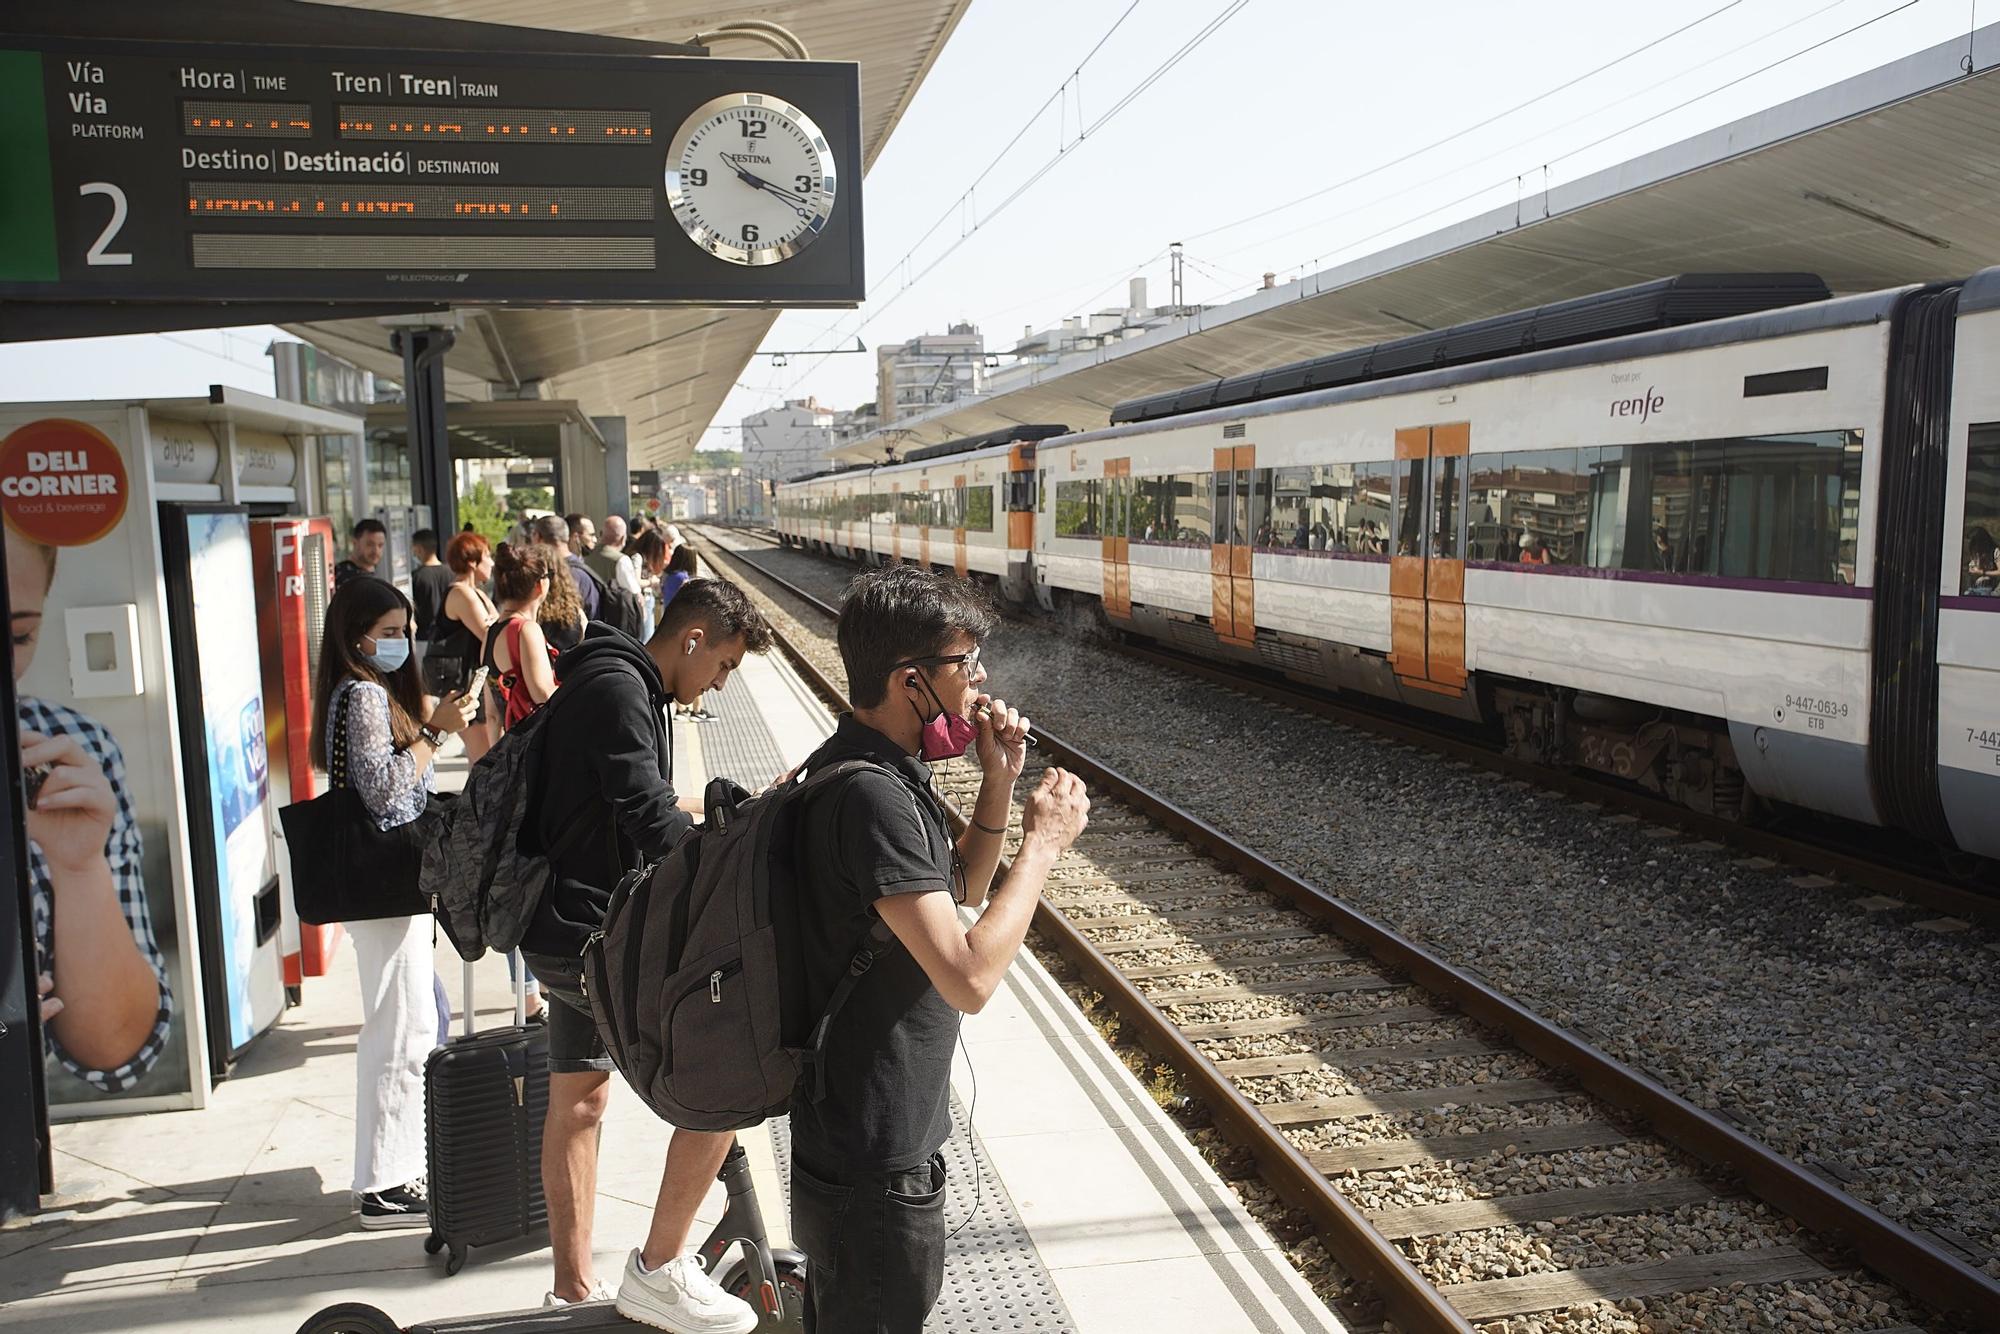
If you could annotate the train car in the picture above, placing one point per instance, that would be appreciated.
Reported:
(1672, 555)
(1967, 678)
(965, 505)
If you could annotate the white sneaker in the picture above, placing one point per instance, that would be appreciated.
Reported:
(598, 1293)
(681, 1298)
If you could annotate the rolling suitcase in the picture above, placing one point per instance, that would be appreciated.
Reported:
(485, 1097)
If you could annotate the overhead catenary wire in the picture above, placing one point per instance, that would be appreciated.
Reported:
(1250, 284)
(911, 279)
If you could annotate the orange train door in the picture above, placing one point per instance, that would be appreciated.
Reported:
(958, 529)
(896, 520)
(1231, 591)
(1117, 543)
(1427, 562)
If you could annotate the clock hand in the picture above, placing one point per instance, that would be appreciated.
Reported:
(752, 178)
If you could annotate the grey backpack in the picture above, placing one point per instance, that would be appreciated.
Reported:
(686, 978)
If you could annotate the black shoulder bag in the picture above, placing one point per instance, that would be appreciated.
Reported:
(344, 867)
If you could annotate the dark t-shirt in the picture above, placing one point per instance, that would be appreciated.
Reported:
(347, 570)
(888, 1054)
(428, 586)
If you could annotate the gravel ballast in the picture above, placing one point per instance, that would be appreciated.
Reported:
(1847, 1038)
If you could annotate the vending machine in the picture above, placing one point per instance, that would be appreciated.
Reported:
(293, 561)
(219, 690)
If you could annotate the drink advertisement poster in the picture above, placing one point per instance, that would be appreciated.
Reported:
(232, 721)
(111, 936)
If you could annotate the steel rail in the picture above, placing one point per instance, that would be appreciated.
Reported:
(1414, 1303)
(1920, 1266)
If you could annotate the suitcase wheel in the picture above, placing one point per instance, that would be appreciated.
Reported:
(456, 1262)
(350, 1318)
(433, 1244)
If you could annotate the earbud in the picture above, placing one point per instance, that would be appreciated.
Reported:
(690, 648)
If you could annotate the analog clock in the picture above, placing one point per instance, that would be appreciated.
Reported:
(750, 179)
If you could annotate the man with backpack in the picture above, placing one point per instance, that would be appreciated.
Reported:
(603, 804)
(867, 1176)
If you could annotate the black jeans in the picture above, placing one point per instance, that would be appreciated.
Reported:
(874, 1245)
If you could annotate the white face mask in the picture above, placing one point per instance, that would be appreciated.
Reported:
(390, 654)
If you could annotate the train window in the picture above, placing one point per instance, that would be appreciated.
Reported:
(1079, 508)
(1527, 507)
(1249, 501)
(1447, 487)
(1361, 501)
(978, 508)
(1780, 507)
(1788, 505)
(1042, 492)
(1979, 561)
(1173, 510)
(1020, 491)
(1410, 494)
(1117, 505)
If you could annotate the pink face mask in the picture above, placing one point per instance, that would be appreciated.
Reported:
(946, 736)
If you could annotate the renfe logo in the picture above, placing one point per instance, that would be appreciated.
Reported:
(1642, 407)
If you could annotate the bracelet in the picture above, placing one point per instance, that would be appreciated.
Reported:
(432, 735)
(986, 828)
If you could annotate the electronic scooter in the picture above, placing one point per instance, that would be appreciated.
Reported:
(772, 1281)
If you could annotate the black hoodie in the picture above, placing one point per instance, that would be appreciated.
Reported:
(604, 778)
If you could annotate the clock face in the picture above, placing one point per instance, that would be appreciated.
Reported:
(750, 179)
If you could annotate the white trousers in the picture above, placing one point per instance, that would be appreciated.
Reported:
(399, 1027)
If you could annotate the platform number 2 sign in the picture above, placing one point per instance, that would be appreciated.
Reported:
(97, 254)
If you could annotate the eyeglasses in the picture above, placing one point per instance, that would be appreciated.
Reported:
(970, 658)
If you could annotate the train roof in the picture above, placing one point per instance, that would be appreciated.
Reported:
(1982, 292)
(827, 472)
(1012, 435)
(1691, 298)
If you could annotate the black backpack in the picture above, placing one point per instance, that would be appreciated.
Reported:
(482, 888)
(617, 607)
(685, 979)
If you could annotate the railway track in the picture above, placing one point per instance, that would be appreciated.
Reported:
(1472, 1163)
(1819, 851)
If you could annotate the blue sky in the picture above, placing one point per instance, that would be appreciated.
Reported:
(1286, 98)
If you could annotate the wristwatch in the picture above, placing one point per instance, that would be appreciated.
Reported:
(432, 735)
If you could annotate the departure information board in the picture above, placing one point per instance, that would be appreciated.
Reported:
(177, 172)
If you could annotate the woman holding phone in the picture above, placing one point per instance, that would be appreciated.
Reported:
(367, 704)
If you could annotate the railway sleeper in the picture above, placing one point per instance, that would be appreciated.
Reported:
(1495, 1093)
(1468, 1148)
(1249, 1067)
(1543, 1206)
(1328, 1020)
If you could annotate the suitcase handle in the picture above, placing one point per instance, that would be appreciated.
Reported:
(520, 997)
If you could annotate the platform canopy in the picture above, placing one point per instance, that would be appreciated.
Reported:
(665, 371)
(1887, 178)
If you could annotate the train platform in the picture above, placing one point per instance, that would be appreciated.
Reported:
(1079, 1206)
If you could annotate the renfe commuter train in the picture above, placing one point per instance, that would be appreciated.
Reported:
(1719, 535)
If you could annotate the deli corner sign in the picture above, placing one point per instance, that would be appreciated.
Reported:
(62, 482)
(218, 170)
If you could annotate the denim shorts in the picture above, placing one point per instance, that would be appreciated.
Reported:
(574, 1047)
(874, 1245)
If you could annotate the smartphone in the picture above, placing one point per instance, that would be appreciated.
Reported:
(477, 689)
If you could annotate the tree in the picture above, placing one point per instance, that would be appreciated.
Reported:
(524, 498)
(716, 460)
(484, 510)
